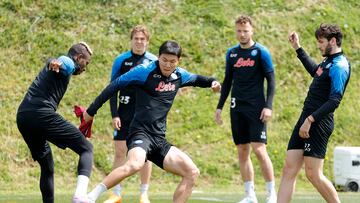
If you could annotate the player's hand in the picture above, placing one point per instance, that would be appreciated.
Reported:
(55, 65)
(215, 86)
(218, 119)
(294, 40)
(87, 117)
(305, 127)
(265, 115)
(116, 122)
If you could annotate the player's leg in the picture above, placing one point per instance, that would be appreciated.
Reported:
(145, 174)
(119, 159)
(136, 160)
(314, 154)
(179, 163)
(30, 127)
(240, 133)
(314, 173)
(258, 137)
(65, 135)
(293, 163)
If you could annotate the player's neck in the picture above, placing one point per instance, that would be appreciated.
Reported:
(247, 45)
(335, 50)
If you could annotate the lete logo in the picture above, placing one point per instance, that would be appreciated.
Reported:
(244, 62)
(163, 87)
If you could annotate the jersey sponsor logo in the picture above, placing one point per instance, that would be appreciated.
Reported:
(163, 87)
(233, 55)
(128, 63)
(319, 71)
(244, 63)
(254, 52)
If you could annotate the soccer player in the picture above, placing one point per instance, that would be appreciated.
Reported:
(247, 64)
(157, 85)
(311, 133)
(123, 114)
(39, 123)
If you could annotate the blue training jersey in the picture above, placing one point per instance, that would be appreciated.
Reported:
(245, 72)
(155, 94)
(122, 64)
(330, 79)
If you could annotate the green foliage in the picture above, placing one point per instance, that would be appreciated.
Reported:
(32, 31)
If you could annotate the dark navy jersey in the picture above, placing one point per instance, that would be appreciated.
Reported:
(155, 94)
(328, 86)
(245, 73)
(48, 88)
(122, 64)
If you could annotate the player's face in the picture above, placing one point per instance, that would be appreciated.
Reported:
(168, 63)
(139, 43)
(324, 46)
(244, 33)
(82, 62)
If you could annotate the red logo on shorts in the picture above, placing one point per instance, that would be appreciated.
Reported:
(244, 62)
(163, 87)
(319, 71)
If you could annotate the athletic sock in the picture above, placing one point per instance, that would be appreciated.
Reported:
(249, 188)
(97, 191)
(117, 190)
(270, 187)
(143, 189)
(81, 186)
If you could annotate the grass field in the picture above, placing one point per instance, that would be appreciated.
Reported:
(196, 198)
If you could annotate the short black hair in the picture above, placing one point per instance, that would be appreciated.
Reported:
(170, 47)
(329, 31)
(80, 48)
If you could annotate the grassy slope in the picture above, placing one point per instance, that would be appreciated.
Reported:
(32, 31)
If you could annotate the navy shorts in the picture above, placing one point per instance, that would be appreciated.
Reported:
(156, 146)
(247, 127)
(316, 144)
(37, 128)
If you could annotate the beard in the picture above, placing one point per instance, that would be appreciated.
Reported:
(327, 50)
(245, 42)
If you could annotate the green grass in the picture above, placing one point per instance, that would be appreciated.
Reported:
(31, 31)
(196, 198)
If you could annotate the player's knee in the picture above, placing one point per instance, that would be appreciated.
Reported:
(135, 166)
(312, 175)
(289, 170)
(193, 174)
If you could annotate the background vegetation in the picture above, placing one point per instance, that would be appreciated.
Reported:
(32, 31)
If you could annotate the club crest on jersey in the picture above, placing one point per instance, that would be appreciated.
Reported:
(128, 63)
(165, 87)
(145, 62)
(244, 63)
(319, 71)
(254, 52)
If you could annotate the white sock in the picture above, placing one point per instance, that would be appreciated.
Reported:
(117, 190)
(270, 187)
(249, 188)
(81, 186)
(97, 191)
(144, 188)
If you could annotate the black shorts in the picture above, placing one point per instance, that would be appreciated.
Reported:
(156, 146)
(247, 127)
(123, 133)
(320, 131)
(39, 127)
